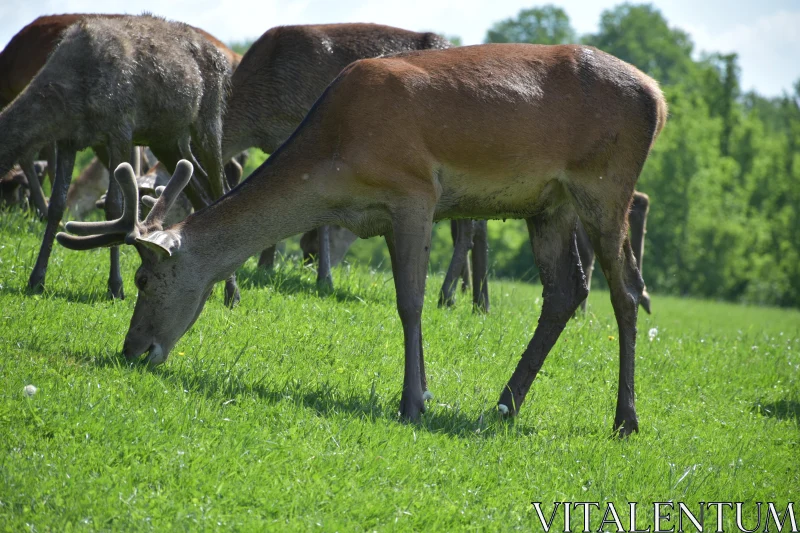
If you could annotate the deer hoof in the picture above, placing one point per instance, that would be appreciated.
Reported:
(411, 408)
(623, 428)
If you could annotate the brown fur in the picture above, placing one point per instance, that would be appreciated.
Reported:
(552, 134)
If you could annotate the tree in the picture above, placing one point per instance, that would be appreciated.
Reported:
(640, 35)
(539, 25)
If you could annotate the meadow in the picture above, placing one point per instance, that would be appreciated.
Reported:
(282, 413)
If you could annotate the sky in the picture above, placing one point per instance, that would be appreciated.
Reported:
(765, 33)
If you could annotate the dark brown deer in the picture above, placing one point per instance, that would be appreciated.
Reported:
(114, 82)
(282, 75)
(551, 134)
(27, 52)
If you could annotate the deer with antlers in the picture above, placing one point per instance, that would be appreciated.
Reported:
(551, 134)
(114, 82)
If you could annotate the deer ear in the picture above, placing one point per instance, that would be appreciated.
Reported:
(165, 242)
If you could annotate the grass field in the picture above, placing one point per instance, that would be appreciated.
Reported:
(282, 414)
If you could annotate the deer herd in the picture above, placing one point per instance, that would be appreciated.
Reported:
(372, 130)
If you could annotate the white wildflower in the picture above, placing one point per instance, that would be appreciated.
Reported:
(653, 333)
(29, 390)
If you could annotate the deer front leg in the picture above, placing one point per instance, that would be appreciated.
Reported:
(324, 278)
(462, 242)
(563, 289)
(58, 201)
(480, 267)
(410, 246)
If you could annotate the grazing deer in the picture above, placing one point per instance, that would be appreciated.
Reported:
(113, 82)
(551, 134)
(14, 187)
(282, 75)
(27, 52)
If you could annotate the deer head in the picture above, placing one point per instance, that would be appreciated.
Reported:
(171, 293)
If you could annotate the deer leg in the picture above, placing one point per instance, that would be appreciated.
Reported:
(480, 267)
(462, 242)
(199, 190)
(410, 246)
(586, 253)
(58, 201)
(214, 184)
(37, 194)
(563, 289)
(113, 210)
(637, 218)
(607, 230)
(267, 258)
(324, 278)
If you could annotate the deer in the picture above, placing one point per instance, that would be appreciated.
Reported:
(550, 134)
(27, 52)
(14, 187)
(112, 83)
(279, 79)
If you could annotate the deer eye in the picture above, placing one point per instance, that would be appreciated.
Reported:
(141, 282)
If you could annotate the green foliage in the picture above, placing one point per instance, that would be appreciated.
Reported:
(281, 414)
(241, 47)
(540, 25)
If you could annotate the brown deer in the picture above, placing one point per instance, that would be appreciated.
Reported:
(27, 52)
(551, 134)
(113, 82)
(282, 75)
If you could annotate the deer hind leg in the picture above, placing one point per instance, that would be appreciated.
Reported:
(58, 201)
(324, 277)
(563, 289)
(267, 258)
(586, 253)
(409, 246)
(462, 242)
(480, 267)
(37, 194)
(637, 219)
(608, 230)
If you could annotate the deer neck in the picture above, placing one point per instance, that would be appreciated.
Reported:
(280, 200)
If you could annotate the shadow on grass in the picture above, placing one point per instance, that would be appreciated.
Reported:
(782, 409)
(323, 398)
(75, 295)
(292, 279)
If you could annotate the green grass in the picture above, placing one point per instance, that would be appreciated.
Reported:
(282, 414)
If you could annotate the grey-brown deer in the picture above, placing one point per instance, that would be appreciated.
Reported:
(550, 134)
(111, 83)
(28, 51)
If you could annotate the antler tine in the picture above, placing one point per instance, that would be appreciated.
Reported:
(182, 175)
(91, 242)
(130, 209)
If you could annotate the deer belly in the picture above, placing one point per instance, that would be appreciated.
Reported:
(521, 196)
